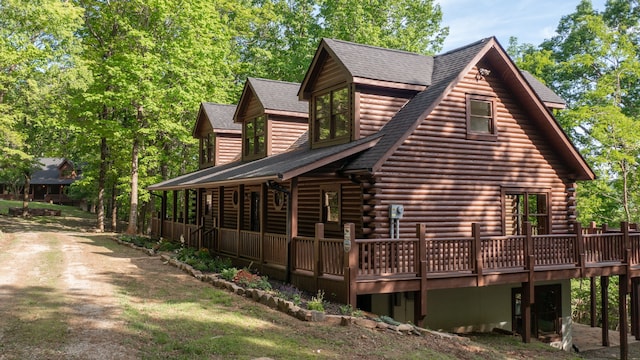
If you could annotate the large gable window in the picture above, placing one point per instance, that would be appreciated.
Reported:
(525, 205)
(331, 121)
(481, 118)
(254, 138)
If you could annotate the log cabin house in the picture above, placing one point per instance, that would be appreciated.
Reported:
(434, 189)
(50, 180)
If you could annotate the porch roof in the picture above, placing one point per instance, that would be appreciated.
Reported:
(280, 167)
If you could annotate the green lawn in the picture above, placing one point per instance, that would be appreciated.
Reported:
(67, 211)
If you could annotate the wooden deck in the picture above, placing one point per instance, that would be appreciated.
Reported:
(373, 266)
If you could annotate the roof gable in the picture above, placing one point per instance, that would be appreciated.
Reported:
(215, 117)
(449, 68)
(365, 64)
(273, 97)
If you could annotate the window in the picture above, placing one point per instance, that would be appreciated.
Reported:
(331, 119)
(523, 206)
(481, 122)
(254, 137)
(207, 148)
(331, 205)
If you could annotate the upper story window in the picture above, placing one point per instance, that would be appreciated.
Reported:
(481, 118)
(253, 137)
(331, 120)
(526, 205)
(208, 146)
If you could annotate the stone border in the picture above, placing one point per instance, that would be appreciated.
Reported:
(289, 307)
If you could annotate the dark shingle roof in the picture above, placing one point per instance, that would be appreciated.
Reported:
(280, 166)
(221, 116)
(377, 63)
(545, 94)
(49, 173)
(447, 67)
(278, 95)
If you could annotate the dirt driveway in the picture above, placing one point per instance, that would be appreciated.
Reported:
(57, 298)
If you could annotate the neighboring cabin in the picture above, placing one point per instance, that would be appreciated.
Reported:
(398, 154)
(49, 181)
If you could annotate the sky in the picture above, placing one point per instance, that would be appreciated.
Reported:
(531, 21)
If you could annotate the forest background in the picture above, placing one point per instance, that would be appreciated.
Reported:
(116, 85)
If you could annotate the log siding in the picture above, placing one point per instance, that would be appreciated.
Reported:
(447, 181)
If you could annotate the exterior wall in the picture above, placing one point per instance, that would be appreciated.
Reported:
(230, 213)
(228, 148)
(449, 182)
(330, 75)
(309, 204)
(283, 132)
(276, 222)
(376, 108)
(482, 309)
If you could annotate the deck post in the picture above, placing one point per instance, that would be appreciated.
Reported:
(163, 213)
(635, 314)
(580, 255)
(317, 258)
(604, 299)
(420, 309)
(351, 267)
(622, 313)
(626, 242)
(477, 252)
(592, 299)
(527, 302)
(240, 219)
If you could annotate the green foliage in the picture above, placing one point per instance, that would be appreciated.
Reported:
(581, 304)
(229, 273)
(317, 302)
(350, 311)
(290, 293)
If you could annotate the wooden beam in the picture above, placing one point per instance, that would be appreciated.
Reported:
(635, 314)
(593, 302)
(622, 312)
(527, 302)
(420, 301)
(604, 298)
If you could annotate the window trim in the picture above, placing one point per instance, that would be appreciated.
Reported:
(245, 148)
(526, 191)
(313, 119)
(492, 135)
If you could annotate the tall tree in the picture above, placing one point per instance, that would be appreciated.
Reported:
(594, 63)
(37, 54)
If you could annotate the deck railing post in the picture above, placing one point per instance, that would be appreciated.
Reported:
(422, 272)
(580, 256)
(626, 242)
(528, 246)
(317, 258)
(351, 266)
(477, 252)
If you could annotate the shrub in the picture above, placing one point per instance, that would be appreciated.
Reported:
(246, 279)
(350, 311)
(229, 273)
(317, 302)
(290, 292)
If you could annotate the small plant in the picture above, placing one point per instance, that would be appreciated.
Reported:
(229, 273)
(291, 293)
(350, 311)
(246, 279)
(316, 302)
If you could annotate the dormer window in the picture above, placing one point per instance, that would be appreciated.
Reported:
(481, 119)
(253, 136)
(331, 120)
(208, 146)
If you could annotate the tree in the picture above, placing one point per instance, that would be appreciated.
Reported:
(37, 54)
(593, 62)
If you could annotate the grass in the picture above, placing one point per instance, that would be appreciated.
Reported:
(67, 211)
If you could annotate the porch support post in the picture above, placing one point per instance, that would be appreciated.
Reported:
(477, 253)
(292, 226)
(593, 302)
(622, 310)
(185, 219)
(264, 198)
(240, 219)
(174, 215)
(527, 301)
(635, 313)
(317, 258)
(163, 213)
(528, 287)
(420, 303)
(604, 300)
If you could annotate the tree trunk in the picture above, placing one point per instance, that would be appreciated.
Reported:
(25, 196)
(114, 208)
(133, 211)
(101, 184)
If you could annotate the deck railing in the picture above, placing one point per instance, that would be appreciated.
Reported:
(419, 257)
